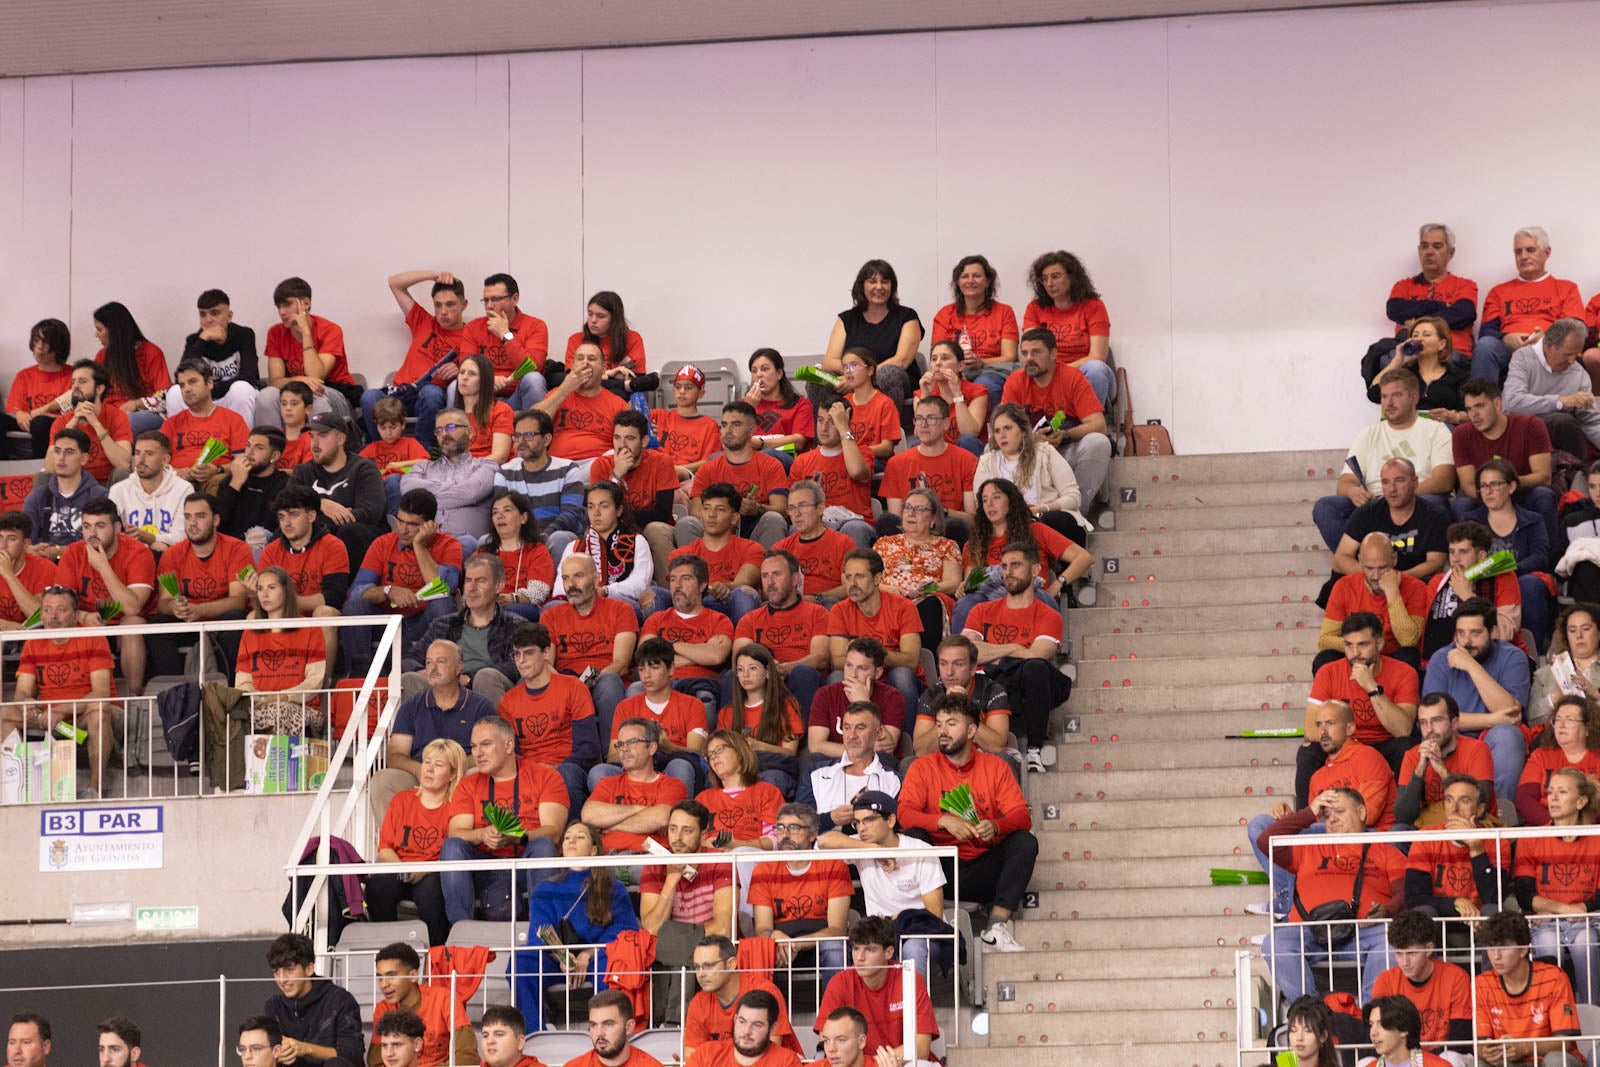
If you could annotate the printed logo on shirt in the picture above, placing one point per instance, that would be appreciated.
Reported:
(1343, 862)
(226, 370)
(272, 659)
(191, 439)
(1455, 879)
(582, 421)
(1005, 633)
(422, 838)
(202, 588)
(65, 523)
(1528, 305)
(775, 636)
(795, 906)
(160, 518)
(582, 643)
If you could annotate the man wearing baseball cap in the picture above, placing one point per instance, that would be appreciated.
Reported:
(687, 437)
(349, 486)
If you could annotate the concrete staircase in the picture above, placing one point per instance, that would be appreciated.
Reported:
(1204, 626)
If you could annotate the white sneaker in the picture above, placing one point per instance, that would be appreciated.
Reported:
(1258, 909)
(1035, 761)
(998, 937)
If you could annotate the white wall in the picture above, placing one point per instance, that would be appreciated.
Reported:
(1243, 188)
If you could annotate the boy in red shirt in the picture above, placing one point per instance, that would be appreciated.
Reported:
(23, 574)
(109, 566)
(872, 985)
(294, 409)
(393, 451)
(733, 563)
(1521, 1000)
(1441, 991)
(680, 720)
(687, 437)
(448, 1027)
(552, 713)
(843, 471)
(307, 348)
(72, 676)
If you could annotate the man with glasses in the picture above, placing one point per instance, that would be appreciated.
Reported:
(554, 486)
(433, 337)
(802, 906)
(395, 569)
(632, 807)
(506, 336)
(762, 482)
(460, 482)
(843, 471)
(710, 1014)
(819, 550)
(934, 464)
(259, 1038)
(350, 486)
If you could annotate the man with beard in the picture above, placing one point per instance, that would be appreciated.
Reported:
(1018, 638)
(552, 713)
(754, 1020)
(996, 853)
(553, 486)
(109, 566)
(206, 565)
(710, 1016)
(1469, 544)
(1441, 991)
(869, 610)
(1489, 681)
(1045, 388)
(593, 632)
(1398, 601)
(461, 482)
(198, 421)
(610, 1031)
(648, 479)
(56, 507)
(699, 897)
(110, 435)
(1520, 440)
(762, 482)
(1442, 753)
(802, 906)
(150, 502)
(119, 1042)
(350, 486)
(702, 639)
(247, 496)
(794, 630)
(819, 550)
(501, 1033)
(395, 568)
(1347, 764)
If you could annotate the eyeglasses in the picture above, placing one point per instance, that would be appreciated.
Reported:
(528, 435)
(1569, 720)
(629, 742)
(719, 750)
(251, 1050)
(852, 366)
(916, 509)
(791, 829)
(928, 420)
(448, 427)
(1492, 485)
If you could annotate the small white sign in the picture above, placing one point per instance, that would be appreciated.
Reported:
(156, 919)
(100, 839)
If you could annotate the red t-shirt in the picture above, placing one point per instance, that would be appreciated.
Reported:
(1449, 865)
(1333, 682)
(654, 474)
(1544, 1009)
(500, 421)
(1068, 392)
(1361, 767)
(799, 896)
(34, 388)
(544, 719)
(1544, 762)
(774, 420)
(876, 420)
(133, 564)
(761, 471)
(1524, 436)
(328, 339)
(530, 340)
(985, 330)
(749, 718)
(821, 559)
(1449, 290)
(277, 661)
(746, 814)
(189, 434)
(398, 566)
(620, 789)
(324, 556)
(999, 624)
(205, 580)
(694, 901)
(533, 785)
(970, 391)
(950, 474)
(527, 563)
(583, 425)
(635, 350)
(430, 343)
(883, 1007)
(1328, 872)
(402, 449)
(724, 563)
(672, 625)
(1446, 995)
(831, 473)
(1470, 757)
(1517, 306)
(1051, 546)
(686, 440)
(1568, 871)
(786, 632)
(412, 831)
(683, 715)
(584, 641)
(720, 1054)
(115, 420)
(64, 671)
(1350, 595)
(1073, 326)
(707, 1021)
(296, 451)
(152, 364)
(896, 617)
(637, 1057)
(37, 573)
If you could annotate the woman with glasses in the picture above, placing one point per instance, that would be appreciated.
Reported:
(768, 718)
(874, 415)
(1521, 532)
(1559, 877)
(1573, 740)
(282, 661)
(921, 564)
(743, 808)
(969, 401)
(878, 323)
(489, 418)
(414, 830)
(514, 537)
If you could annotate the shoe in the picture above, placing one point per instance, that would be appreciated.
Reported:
(88, 792)
(998, 937)
(1259, 909)
(1035, 761)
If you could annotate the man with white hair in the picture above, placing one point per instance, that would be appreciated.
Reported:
(1435, 291)
(1516, 312)
(1546, 379)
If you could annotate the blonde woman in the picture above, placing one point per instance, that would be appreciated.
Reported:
(414, 830)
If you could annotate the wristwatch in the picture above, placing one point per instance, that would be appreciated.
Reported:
(849, 435)
(1375, 691)
(508, 335)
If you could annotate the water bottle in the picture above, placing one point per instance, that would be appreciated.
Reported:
(965, 341)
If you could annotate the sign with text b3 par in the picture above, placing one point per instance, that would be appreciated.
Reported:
(100, 839)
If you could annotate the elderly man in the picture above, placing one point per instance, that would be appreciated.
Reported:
(1516, 312)
(481, 630)
(1414, 526)
(1545, 379)
(460, 482)
(1435, 291)
(446, 708)
(1400, 434)
(832, 788)
(1398, 600)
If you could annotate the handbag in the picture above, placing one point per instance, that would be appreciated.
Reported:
(1151, 439)
(1338, 915)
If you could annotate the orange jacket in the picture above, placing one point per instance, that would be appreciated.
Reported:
(995, 793)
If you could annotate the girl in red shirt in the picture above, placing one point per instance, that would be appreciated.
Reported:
(414, 831)
(1067, 303)
(489, 418)
(281, 661)
(744, 809)
(783, 416)
(874, 418)
(32, 402)
(606, 324)
(138, 369)
(530, 572)
(766, 715)
(969, 401)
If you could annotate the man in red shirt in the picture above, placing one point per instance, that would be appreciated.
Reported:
(862, 680)
(109, 566)
(72, 676)
(1522, 1001)
(710, 1015)
(582, 409)
(756, 1018)
(1397, 600)
(23, 574)
(629, 807)
(819, 550)
(997, 852)
(733, 563)
(307, 348)
(934, 464)
(1044, 387)
(871, 611)
(506, 337)
(649, 483)
(802, 906)
(449, 1037)
(315, 559)
(200, 421)
(873, 986)
(1443, 752)
(1516, 312)
(843, 471)
(1435, 291)
(1441, 991)
(762, 482)
(1381, 693)
(592, 633)
(396, 568)
(611, 1024)
(206, 566)
(106, 425)
(552, 713)
(695, 895)
(1018, 638)
(702, 639)
(681, 739)
(843, 1038)
(795, 631)
(503, 1030)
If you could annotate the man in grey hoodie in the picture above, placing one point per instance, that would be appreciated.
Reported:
(56, 507)
(151, 500)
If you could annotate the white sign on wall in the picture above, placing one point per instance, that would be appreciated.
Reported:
(100, 839)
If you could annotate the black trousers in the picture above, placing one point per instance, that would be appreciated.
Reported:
(163, 653)
(1000, 873)
(1035, 687)
(386, 891)
(39, 431)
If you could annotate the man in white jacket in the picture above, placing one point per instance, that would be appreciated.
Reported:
(151, 501)
(1546, 379)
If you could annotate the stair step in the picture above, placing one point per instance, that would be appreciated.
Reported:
(1108, 619)
(1221, 517)
(1115, 994)
(1128, 961)
(1133, 698)
(1173, 1054)
(1166, 755)
(1184, 1025)
(1215, 669)
(1280, 533)
(1171, 871)
(1264, 591)
(1227, 932)
(1265, 784)
(1182, 494)
(1136, 903)
(1261, 641)
(1128, 814)
(1313, 465)
(1108, 728)
(1217, 841)
(1243, 565)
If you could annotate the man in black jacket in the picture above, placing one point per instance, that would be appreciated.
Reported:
(246, 496)
(350, 486)
(231, 351)
(321, 1022)
(481, 630)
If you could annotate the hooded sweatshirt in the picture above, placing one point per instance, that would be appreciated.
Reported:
(325, 1015)
(162, 509)
(58, 519)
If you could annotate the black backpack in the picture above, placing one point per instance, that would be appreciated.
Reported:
(179, 708)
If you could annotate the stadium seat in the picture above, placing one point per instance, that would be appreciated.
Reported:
(354, 963)
(722, 383)
(664, 1045)
(496, 989)
(556, 1046)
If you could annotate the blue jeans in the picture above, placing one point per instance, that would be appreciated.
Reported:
(1282, 881)
(426, 406)
(1102, 379)
(391, 493)
(465, 890)
(143, 421)
(1535, 609)
(1577, 935)
(1290, 952)
(607, 693)
(740, 602)
(782, 456)
(995, 382)
(1490, 358)
(971, 444)
(357, 640)
(1510, 751)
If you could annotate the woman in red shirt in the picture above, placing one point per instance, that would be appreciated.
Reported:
(743, 808)
(766, 715)
(1066, 302)
(874, 415)
(1003, 519)
(1573, 740)
(33, 401)
(414, 831)
(489, 418)
(985, 331)
(606, 324)
(1560, 877)
(138, 369)
(969, 401)
(530, 572)
(281, 661)
(783, 416)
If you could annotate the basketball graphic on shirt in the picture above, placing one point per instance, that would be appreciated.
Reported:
(775, 636)
(796, 906)
(583, 643)
(1565, 875)
(405, 573)
(580, 421)
(533, 726)
(1005, 633)
(1343, 862)
(422, 838)
(60, 676)
(271, 658)
(202, 587)
(1529, 305)
(1455, 880)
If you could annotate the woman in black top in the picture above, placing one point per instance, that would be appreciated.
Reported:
(1441, 377)
(877, 321)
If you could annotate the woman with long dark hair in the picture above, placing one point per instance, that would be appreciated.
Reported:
(1066, 301)
(783, 416)
(281, 661)
(878, 322)
(1003, 519)
(514, 537)
(620, 552)
(768, 717)
(605, 323)
(490, 419)
(984, 330)
(34, 399)
(969, 401)
(138, 369)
